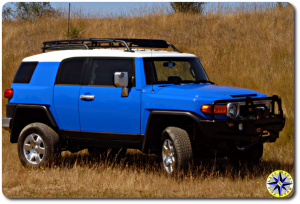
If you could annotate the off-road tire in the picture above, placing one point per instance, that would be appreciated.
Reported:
(51, 142)
(182, 146)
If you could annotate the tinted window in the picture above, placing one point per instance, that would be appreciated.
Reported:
(25, 72)
(70, 71)
(102, 71)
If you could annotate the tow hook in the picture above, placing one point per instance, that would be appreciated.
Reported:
(246, 147)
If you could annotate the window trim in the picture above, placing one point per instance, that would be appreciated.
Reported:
(82, 72)
(85, 81)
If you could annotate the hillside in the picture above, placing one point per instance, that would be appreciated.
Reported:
(253, 50)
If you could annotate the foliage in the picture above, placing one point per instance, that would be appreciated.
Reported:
(253, 50)
(73, 32)
(7, 13)
(188, 7)
(29, 11)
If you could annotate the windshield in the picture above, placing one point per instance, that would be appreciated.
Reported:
(174, 70)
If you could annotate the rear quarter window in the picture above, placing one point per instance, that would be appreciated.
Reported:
(70, 71)
(25, 72)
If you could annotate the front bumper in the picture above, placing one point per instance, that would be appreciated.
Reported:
(256, 127)
(219, 129)
(6, 123)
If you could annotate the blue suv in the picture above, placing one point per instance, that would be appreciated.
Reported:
(101, 94)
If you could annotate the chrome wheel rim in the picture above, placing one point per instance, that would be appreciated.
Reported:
(168, 156)
(34, 148)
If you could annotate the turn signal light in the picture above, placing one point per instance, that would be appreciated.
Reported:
(218, 109)
(9, 93)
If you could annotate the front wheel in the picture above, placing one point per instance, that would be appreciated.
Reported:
(176, 149)
(38, 145)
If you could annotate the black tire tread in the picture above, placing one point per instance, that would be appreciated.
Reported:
(182, 144)
(54, 146)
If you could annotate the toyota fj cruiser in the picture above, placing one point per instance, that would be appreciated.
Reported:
(114, 93)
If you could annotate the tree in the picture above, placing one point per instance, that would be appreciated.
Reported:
(188, 7)
(29, 11)
(7, 13)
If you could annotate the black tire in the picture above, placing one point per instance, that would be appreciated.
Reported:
(50, 143)
(105, 151)
(250, 156)
(182, 148)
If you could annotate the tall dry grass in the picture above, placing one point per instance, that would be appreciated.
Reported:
(253, 50)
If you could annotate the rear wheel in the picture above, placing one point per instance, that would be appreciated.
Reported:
(176, 150)
(38, 145)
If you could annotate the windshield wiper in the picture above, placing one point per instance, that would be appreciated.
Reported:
(197, 81)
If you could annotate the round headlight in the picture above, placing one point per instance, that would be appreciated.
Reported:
(232, 110)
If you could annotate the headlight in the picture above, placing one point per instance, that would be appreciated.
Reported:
(232, 110)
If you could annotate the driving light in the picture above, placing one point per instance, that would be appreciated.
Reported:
(232, 110)
(241, 127)
(218, 109)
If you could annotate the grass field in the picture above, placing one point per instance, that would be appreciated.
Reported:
(254, 50)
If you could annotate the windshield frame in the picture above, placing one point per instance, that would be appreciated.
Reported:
(172, 59)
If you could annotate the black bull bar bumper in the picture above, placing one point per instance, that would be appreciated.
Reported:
(255, 129)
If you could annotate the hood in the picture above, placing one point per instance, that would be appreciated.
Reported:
(206, 91)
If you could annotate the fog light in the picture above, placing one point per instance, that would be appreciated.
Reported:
(258, 130)
(240, 126)
(230, 124)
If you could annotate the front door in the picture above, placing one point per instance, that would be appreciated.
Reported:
(103, 112)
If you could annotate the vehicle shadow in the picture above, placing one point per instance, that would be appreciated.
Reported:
(151, 163)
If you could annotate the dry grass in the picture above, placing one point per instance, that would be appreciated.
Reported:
(253, 50)
(138, 176)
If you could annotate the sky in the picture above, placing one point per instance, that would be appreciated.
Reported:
(115, 7)
(109, 6)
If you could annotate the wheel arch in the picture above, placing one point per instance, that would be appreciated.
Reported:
(158, 120)
(25, 114)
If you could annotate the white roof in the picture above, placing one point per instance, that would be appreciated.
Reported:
(58, 56)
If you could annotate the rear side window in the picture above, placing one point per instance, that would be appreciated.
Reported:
(102, 71)
(25, 72)
(70, 71)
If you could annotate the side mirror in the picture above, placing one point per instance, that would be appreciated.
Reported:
(121, 80)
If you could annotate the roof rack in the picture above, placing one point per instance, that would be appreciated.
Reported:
(91, 43)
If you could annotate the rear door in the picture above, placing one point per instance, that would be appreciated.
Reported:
(109, 115)
(66, 91)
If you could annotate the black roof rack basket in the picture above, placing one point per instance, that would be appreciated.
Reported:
(91, 43)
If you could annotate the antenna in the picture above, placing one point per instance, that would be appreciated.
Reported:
(69, 20)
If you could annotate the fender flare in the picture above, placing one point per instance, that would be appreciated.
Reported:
(44, 108)
(194, 116)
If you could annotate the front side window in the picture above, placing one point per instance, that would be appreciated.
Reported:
(102, 71)
(174, 70)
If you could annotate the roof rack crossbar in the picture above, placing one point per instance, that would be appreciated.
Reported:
(173, 47)
(90, 43)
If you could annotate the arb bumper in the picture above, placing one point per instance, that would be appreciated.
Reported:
(253, 130)
(254, 126)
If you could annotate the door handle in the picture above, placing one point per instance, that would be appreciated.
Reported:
(90, 97)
